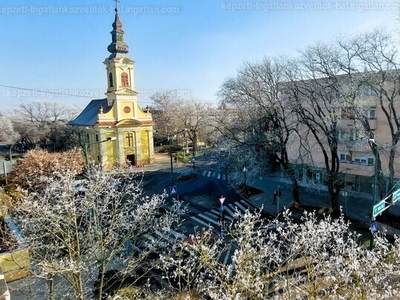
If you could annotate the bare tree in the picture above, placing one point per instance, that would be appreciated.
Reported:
(36, 121)
(173, 114)
(255, 117)
(313, 90)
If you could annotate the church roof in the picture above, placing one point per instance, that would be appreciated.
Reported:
(88, 117)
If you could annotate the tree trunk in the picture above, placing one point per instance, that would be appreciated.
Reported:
(295, 185)
(296, 193)
(334, 190)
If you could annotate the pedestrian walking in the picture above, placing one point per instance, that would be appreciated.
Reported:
(274, 196)
(278, 193)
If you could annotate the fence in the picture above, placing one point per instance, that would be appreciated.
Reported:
(6, 167)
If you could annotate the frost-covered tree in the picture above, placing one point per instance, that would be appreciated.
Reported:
(7, 133)
(93, 232)
(30, 172)
(317, 258)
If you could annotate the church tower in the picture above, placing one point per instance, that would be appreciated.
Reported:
(120, 131)
(119, 67)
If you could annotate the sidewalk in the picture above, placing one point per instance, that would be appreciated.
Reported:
(162, 161)
(356, 208)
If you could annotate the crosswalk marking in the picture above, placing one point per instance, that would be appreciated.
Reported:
(240, 206)
(177, 234)
(212, 217)
(209, 219)
(231, 212)
(200, 221)
(219, 215)
(213, 174)
(249, 206)
(168, 238)
(228, 254)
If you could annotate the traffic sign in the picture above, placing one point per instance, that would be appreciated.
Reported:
(396, 196)
(173, 190)
(378, 208)
(222, 199)
(374, 227)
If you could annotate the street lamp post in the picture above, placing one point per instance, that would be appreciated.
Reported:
(87, 144)
(222, 210)
(344, 194)
(374, 191)
(170, 155)
(244, 180)
(11, 158)
(170, 137)
(244, 177)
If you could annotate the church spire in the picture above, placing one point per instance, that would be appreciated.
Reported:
(117, 37)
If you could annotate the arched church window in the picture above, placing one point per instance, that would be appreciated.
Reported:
(129, 140)
(124, 79)
(110, 80)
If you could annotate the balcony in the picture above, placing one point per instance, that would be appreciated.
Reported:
(346, 123)
(353, 168)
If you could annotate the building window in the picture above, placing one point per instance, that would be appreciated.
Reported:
(348, 113)
(366, 90)
(344, 157)
(364, 161)
(347, 135)
(129, 140)
(361, 161)
(124, 79)
(110, 80)
(371, 113)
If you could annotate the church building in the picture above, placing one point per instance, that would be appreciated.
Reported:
(119, 132)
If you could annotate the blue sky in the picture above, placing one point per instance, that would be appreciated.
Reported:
(188, 46)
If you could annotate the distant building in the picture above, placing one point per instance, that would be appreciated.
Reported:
(119, 131)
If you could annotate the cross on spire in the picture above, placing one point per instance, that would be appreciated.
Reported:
(116, 5)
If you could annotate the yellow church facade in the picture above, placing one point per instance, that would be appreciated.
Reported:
(119, 131)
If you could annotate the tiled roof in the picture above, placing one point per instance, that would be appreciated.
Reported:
(88, 117)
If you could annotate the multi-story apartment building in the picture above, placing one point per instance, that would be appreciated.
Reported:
(348, 112)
